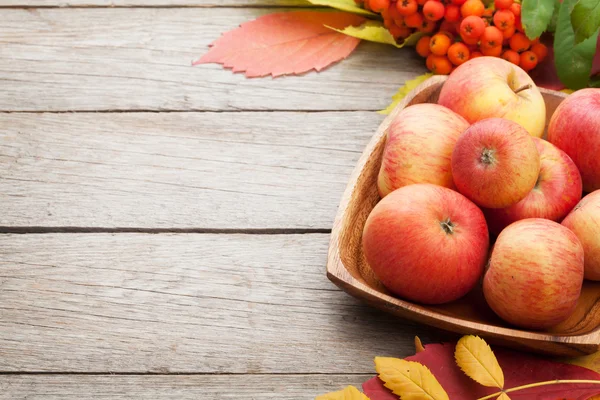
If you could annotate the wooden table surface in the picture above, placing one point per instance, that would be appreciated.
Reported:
(164, 227)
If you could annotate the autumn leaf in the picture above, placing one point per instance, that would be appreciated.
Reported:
(349, 393)
(519, 369)
(503, 396)
(375, 31)
(409, 380)
(404, 90)
(375, 389)
(418, 345)
(475, 357)
(284, 43)
(344, 5)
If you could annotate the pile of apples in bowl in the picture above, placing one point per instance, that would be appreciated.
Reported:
(486, 187)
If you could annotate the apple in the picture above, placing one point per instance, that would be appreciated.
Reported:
(426, 243)
(495, 163)
(575, 129)
(486, 87)
(419, 145)
(584, 221)
(556, 192)
(535, 273)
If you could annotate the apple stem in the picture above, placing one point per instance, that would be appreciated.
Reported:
(528, 86)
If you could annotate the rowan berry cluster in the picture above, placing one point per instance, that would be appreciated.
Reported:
(458, 30)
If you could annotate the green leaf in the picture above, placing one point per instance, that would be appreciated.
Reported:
(404, 90)
(573, 62)
(595, 82)
(344, 5)
(552, 25)
(585, 19)
(536, 15)
(374, 31)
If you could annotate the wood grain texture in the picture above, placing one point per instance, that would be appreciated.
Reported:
(174, 387)
(140, 59)
(154, 3)
(246, 170)
(347, 266)
(185, 303)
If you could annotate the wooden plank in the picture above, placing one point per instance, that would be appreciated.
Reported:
(154, 3)
(173, 387)
(246, 170)
(185, 303)
(140, 59)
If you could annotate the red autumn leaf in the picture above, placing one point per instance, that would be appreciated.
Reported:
(284, 43)
(519, 369)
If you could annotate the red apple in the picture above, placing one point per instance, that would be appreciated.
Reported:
(426, 243)
(487, 87)
(419, 146)
(556, 192)
(495, 163)
(535, 273)
(584, 221)
(575, 129)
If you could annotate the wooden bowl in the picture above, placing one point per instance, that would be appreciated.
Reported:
(348, 269)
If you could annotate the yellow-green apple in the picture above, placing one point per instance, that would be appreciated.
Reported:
(556, 192)
(535, 273)
(487, 87)
(419, 146)
(575, 129)
(584, 221)
(495, 163)
(426, 243)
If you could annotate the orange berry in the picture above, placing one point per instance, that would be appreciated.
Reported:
(528, 60)
(458, 53)
(519, 42)
(511, 56)
(423, 46)
(414, 21)
(407, 7)
(518, 24)
(507, 33)
(427, 26)
(516, 9)
(394, 14)
(503, 4)
(459, 2)
(491, 51)
(472, 7)
(421, 2)
(433, 10)
(471, 27)
(504, 19)
(439, 44)
(452, 13)
(492, 37)
(476, 54)
(448, 27)
(488, 13)
(439, 64)
(379, 5)
(540, 50)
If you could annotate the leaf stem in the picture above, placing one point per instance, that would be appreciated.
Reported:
(545, 383)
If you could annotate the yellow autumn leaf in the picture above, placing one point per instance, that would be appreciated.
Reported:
(567, 91)
(404, 90)
(477, 360)
(409, 380)
(349, 393)
(418, 345)
(591, 361)
(375, 31)
(503, 396)
(344, 5)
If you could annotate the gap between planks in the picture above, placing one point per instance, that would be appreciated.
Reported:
(75, 229)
